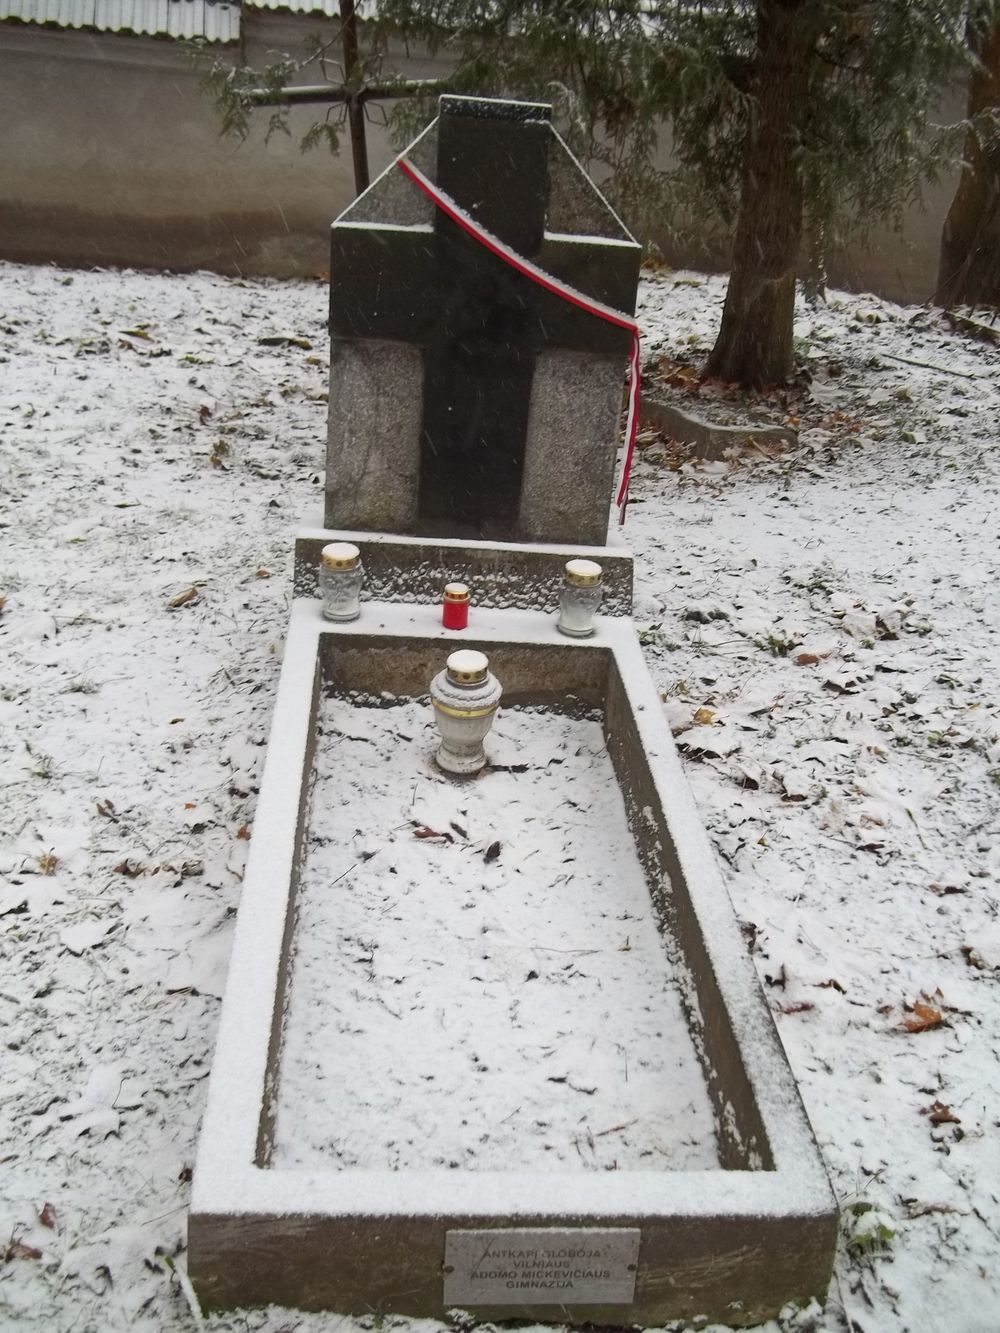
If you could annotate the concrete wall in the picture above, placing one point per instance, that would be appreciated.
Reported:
(111, 156)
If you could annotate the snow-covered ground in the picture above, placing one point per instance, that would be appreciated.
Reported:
(823, 625)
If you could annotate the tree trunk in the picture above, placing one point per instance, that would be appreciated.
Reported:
(754, 346)
(355, 106)
(969, 268)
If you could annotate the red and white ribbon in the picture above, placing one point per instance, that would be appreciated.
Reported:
(558, 288)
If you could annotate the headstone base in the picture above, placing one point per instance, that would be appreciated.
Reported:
(500, 575)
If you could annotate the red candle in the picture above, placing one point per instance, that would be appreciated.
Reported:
(455, 606)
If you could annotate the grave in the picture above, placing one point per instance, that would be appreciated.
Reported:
(403, 1119)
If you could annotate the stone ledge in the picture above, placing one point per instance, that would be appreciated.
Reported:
(708, 440)
(503, 575)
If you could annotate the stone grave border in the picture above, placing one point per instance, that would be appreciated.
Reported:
(731, 1245)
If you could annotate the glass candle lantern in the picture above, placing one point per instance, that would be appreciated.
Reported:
(455, 606)
(579, 598)
(341, 574)
(465, 696)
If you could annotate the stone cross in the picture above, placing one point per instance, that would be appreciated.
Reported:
(465, 400)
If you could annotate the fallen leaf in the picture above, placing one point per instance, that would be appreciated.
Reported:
(18, 1250)
(13, 901)
(285, 340)
(423, 831)
(845, 682)
(3, 603)
(940, 1114)
(831, 984)
(263, 573)
(679, 376)
(244, 832)
(922, 1018)
(492, 852)
(750, 931)
(703, 717)
(808, 659)
(107, 809)
(719, 742)
(132, 869)
(182, 598)
(975, 959)
(204, 413)
(47, 1216)
(914, 1208)
(47, 863)
(796, 1007)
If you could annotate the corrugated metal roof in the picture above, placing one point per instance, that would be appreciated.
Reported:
(155, 18)
(331, 8)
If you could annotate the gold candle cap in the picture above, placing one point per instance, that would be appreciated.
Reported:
(340, 555)
(467, 667)
(583, 573)
(456, 592)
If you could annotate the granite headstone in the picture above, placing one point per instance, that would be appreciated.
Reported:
(464, 398)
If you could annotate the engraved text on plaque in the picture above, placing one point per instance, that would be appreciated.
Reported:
(541, 1266)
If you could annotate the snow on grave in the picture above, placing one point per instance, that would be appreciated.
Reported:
(524, 1013)
(520, 1062)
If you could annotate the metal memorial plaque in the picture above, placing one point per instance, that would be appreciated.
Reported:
(541, 1266)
